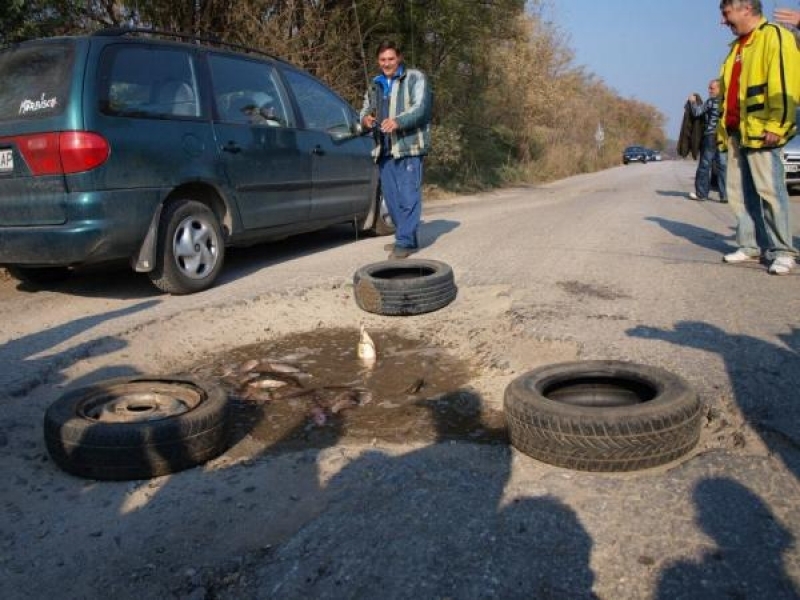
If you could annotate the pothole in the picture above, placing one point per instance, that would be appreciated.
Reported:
(312, 390)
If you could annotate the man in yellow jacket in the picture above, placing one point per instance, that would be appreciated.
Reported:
(760, 91)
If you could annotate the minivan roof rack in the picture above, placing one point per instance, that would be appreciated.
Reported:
(185, 37)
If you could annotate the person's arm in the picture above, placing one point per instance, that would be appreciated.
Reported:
(783, 80)
(369, 109)
(696, 106)
(418, 111)
(787, 16)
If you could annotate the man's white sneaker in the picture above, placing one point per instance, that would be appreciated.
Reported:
(739, 256)
(781, 265)
(693, 196)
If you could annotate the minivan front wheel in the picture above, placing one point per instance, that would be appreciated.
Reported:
(190, 250)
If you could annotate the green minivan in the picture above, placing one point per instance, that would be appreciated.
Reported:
(163, 151)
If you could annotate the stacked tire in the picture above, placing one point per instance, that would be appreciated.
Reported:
(404, 287)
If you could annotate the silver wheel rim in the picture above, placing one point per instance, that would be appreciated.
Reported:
(140, 401)
(195, 247)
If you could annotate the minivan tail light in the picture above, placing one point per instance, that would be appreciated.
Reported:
(62, 153)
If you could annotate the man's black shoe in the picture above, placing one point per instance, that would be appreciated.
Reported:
(400, 252)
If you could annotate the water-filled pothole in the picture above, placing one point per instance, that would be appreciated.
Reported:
(312, 390)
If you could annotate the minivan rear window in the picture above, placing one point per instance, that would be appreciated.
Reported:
(145, 81)
(35, 79)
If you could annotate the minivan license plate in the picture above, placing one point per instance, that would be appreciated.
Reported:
(6, 161)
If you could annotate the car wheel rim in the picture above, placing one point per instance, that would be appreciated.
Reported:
(140, 401)
(195, 247)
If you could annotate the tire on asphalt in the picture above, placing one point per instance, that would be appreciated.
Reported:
(137, 427)
(191, 248)
(404, 287)
(602, 415)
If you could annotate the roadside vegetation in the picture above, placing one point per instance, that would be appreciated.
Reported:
(510, 105)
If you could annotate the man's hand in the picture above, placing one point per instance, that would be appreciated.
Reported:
(787, 16)
(389, 125)
(368, 121)
(771, 139)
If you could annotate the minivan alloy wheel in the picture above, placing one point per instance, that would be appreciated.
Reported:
(190, 248)
(195, 247)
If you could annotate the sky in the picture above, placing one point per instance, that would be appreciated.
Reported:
(656, 51)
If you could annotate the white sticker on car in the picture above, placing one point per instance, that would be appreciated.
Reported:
(43, 103)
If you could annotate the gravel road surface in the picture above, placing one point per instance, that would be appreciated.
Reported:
(613, 265)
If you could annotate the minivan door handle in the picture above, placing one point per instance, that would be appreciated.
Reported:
(232, 147)
(318, 151)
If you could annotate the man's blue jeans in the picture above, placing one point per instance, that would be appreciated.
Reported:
(759, 199)
(710, 157)
(401, 184)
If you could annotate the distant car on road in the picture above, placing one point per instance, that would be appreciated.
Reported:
(790, 154)
(655, 155)
(635, 153)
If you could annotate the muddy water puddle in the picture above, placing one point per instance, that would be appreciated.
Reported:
(312, 390)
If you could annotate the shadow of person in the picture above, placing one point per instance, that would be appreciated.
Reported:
(27, 361)
(671, 193)
(433, 523)
(241, 504)
(699, 236)
(765, 378)
(430, 231)
(792, 340)
(747, 559)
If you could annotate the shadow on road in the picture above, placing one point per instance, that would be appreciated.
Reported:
(672, 194)
(119, 281)
(430, 231)
(432, 523)
(27, 364)
(747, 558)
(699, 236)
(765, 378)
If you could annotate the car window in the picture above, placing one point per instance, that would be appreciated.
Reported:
(248, 92)
(144, 81)
(320, 107)
(36, 80)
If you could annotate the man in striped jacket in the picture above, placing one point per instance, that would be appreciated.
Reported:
(398, 106)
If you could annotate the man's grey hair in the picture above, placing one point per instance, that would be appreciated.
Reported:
(754, 4)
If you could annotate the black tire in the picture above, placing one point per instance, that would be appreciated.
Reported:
(136, 427)
(190, 250)
(404, 287)
(602, 415)
(38, 275)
